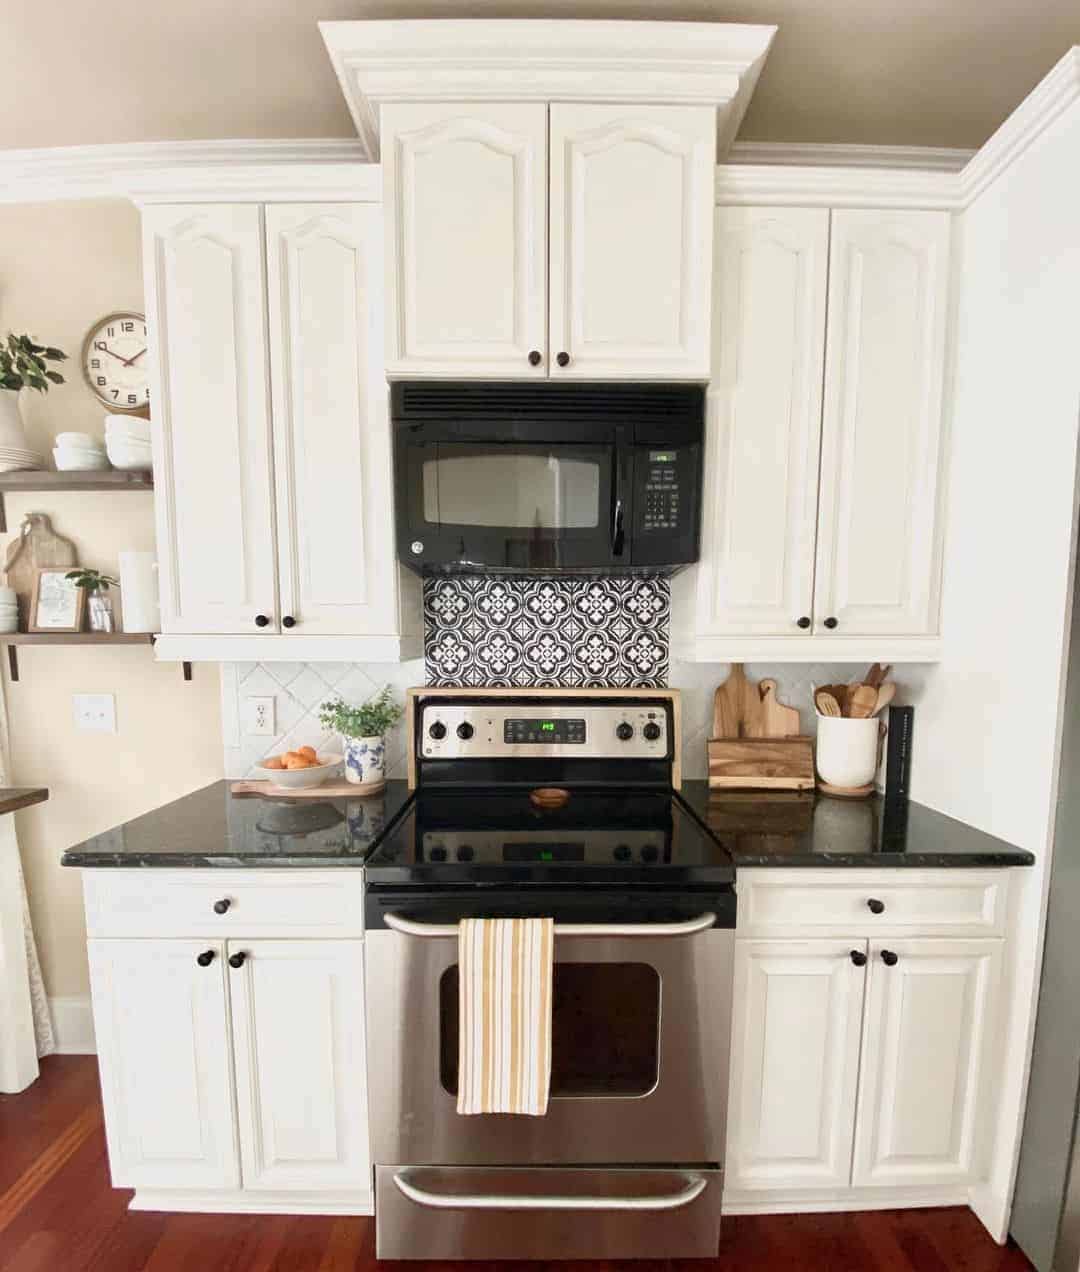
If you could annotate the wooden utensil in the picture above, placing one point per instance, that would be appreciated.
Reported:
(876, 675)
(861, 702)
(826, 703)
(885, 695)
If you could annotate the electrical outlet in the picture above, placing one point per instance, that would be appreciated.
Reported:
(259, 717)
(94, 712)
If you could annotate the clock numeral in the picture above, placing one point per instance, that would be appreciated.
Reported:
(110, 331)
(95, 363)
(127, 326)
(133, 399)
(101, 380)
(99, 344)
(116, 393)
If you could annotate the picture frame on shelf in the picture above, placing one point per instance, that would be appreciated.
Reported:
(57, 604)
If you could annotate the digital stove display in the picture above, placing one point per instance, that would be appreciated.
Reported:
(543, 852)
(521, 731)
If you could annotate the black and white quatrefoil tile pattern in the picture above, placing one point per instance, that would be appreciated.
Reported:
(547, 632)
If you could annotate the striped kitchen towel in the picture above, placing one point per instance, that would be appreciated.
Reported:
(504, 1041)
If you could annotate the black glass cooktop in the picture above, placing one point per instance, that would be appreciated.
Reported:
(599, 836)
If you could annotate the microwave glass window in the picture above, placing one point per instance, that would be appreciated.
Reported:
(526, 487)
(605, 1029)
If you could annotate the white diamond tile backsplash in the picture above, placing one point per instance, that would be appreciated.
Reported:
(298, 689)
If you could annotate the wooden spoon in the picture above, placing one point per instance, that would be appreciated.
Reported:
(862, 701)
(885, 695)
(876, 675)
(826, 703)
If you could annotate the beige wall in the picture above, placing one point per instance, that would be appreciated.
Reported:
(62, 266)
(899, 72)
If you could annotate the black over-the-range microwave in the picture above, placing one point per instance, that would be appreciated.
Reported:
(520, 478)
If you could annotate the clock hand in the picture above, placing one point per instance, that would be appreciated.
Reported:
(117, 356)
(128, 361)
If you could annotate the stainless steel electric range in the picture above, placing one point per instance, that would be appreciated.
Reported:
(628, 1160)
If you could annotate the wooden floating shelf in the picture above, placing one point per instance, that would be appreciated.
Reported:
(13, 639)
(28, 480)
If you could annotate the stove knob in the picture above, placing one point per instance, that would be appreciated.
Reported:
(622, 852)
(624, 732)
(648, 853)
(438, 854)
(465, 852)
(437, 731)
(651, 731)
(465, 730)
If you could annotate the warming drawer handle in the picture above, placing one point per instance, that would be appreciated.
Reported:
(493, 1201)
(688, 927)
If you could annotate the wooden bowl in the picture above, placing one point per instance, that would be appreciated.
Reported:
(549, 797)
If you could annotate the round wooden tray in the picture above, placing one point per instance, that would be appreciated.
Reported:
(846, 792)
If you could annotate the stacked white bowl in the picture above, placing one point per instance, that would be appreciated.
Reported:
(78, 451)
(127, 440)
(9, 610)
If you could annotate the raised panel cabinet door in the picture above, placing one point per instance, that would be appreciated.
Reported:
(298, 1033)
(794, 1063)
(879, 528)
(465, 197)
(764, 421)
(160, 1019)
(631, 227)
(206, 302)
(333, 466)
(927, 1035)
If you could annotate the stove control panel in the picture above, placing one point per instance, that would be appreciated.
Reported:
(452, 729)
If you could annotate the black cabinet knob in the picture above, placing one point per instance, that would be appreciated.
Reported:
(563, 358)
(803, 622)
(889, 958)
(237, 959)
(288, 621)
(261, 620)
(830, 623)
(205, 958)
(858, 958)
(535, 358)
(222, 906)
(875, 906)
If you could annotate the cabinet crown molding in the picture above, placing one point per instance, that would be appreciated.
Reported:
(659, 63)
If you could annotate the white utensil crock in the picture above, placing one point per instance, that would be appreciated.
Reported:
(139, 592)
(847, 750)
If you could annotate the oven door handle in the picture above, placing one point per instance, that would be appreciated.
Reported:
(687, 927)
(695, 1186)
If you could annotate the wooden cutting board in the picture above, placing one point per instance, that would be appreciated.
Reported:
(37, 546)
(743, 709)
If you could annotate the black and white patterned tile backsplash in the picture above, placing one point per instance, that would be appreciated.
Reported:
(547, 632)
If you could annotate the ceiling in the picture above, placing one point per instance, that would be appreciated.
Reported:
(884, 72)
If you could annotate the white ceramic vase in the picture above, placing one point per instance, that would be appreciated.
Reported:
(139, 592)
(847, 750)
(365, 761)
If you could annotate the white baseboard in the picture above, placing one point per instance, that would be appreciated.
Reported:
(241, 1202)
(73, 1025)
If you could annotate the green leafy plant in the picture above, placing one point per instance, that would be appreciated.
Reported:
(92, 580)
(370, 720)
(22, 364)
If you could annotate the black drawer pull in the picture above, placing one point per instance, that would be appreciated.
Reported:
(858, 958)
(222, 906)
(238, 959)
(875, 906)
(889, 958)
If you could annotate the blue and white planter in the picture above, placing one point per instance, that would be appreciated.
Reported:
(365, 762)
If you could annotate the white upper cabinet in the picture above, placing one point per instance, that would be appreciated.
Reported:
(879, 533)
(631, 240)
(337, 565)
(764, 423)
(465, 201)
(206, 308)
(298, 1033)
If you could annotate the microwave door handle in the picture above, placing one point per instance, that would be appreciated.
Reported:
(617, 536)
(695, 1186)
(685, 927)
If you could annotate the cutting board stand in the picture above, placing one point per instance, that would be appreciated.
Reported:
(756, 744)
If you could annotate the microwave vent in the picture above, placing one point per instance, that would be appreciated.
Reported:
(501, 400)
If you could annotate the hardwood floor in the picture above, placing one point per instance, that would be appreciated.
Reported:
(59, 1214)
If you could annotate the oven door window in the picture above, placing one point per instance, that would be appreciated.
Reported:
(547, 488)
(605, 1035)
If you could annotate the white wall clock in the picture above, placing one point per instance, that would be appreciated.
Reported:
(114, 361)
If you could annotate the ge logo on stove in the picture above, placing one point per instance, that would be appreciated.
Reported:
(416, 547)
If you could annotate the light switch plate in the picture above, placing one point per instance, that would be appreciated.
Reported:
(94, 712)
(259, 717)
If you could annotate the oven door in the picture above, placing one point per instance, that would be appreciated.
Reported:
(510, 497)
(640, 1037)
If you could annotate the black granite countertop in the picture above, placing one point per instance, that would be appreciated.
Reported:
(819, 830)
(213, 827)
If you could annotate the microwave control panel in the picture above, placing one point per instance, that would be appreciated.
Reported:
(660, 491)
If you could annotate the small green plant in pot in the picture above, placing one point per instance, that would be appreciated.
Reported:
(98, 604)
(363, 732)
(23, 365)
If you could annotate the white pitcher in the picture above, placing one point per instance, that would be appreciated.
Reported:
(139, 592)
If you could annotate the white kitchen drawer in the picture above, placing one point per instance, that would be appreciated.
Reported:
(808, 903)
(154, 902)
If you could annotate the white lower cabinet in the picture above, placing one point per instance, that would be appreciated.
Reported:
(862, 1064)
(233, 1072)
